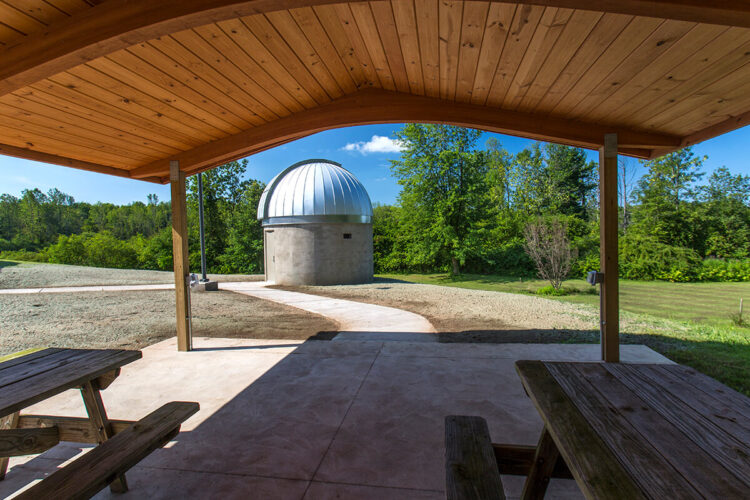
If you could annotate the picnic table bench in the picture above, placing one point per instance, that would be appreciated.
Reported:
(35, 377)
(620, 430)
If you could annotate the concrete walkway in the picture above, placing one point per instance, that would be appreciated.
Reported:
(357, 320)
(315, 420)
(97, 288)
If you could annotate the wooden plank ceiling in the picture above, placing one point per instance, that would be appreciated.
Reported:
(225, 89)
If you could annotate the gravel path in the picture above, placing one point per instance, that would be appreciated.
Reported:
(136, 319)
(33, 275)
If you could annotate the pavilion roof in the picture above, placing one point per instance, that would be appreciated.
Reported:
(123, 87)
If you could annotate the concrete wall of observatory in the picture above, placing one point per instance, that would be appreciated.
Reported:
(318, 254)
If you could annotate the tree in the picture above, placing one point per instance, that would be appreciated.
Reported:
(444, 193)
(548, 247)
(571, 182)
(665, 193)
(626, 170)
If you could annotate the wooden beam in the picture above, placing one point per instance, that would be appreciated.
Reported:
(117, 24)
(608, 227)
(73, 429)
(20, 442)
(544, 462)
(7, 422)
(374, 106)
(516, 460)
(92, 400)
(180, 257)
(30, 154)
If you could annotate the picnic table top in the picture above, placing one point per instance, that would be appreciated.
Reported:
(42, 374)
(644, 431)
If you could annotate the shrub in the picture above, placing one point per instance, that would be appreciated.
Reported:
(645, 258)
(551, 290)
(548, 246)
(724, 270)
(24, 255)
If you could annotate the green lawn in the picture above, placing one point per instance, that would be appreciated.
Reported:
(688, 322)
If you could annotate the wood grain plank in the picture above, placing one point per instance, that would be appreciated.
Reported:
(359, 50)
(7, 422)
(730, 452)
(543, 464)
(550, 28)
(524, 26)
(648, 56)
(474, 21)
(26, 358)
(262, 59)
(72, 429)
(682, 49)
(280, 51)
(386, 25)
(496, 31)
(369, 30)
(406, 25)
(428, 32)
(20, 442)
(67, 91)
(313, 30)
(695, 64)
(597, 471)
(129, 95)
(449, 22)
(606, 31)
(694, 464)
(40, 11)
(94, 470)
(329, 20)
(575, 32)
(19, 21)
(180, 95)
(52, 108)
(25, 392)
(31, 111)
(628, 40)
(285, 25)
(243, 113)
(470, 468)
(242, 79)
(642, 461)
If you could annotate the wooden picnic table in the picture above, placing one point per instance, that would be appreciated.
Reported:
(35, 377)
(638, 431)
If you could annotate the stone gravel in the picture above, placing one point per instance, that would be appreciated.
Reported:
(33, 275)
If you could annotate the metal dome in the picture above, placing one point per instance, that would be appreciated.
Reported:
(314, 191)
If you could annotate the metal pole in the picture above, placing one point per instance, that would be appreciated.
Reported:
(200, 225)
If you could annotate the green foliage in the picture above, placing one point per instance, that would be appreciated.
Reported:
(95, 249)
(551, 290)
(646, 258)
(724, 270)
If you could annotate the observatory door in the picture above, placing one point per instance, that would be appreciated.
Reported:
(270, 255)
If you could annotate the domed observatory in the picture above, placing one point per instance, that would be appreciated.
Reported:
(317, 226)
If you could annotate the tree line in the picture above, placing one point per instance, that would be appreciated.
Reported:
(464, 207)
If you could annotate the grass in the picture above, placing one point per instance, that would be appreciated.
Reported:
(691, 323)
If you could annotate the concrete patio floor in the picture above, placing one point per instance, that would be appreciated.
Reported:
(316, 419)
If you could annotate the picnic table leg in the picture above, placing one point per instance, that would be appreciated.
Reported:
(7, 422)
(92, 399)
(545, 458)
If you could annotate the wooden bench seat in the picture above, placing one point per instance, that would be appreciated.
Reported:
(471, 471)
(91, 473)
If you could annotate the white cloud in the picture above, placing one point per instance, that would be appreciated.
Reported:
(378, 144)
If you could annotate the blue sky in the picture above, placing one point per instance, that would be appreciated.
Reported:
(363, 150)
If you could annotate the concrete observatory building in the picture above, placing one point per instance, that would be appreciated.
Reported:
(317, 226)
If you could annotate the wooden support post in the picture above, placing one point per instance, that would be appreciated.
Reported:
(608, 224)
(7, 422)
(180, 256)
(92, 399)
(545, 461)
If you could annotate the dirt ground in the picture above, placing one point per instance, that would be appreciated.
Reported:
(139, 318)
(33, 275)
(463, 315)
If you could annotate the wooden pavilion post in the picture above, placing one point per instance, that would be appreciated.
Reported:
(180, 257)
(608, 224)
